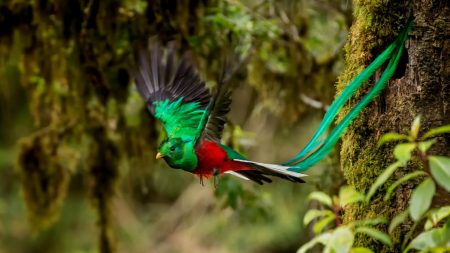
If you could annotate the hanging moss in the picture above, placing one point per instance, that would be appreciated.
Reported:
(103, 174)
(44, 177)
(74, 59)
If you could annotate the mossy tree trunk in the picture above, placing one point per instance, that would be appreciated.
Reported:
(420, 86)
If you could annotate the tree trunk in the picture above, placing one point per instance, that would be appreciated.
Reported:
(420, 86)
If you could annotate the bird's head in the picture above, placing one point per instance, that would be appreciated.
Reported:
(178, 154)
(171, 149)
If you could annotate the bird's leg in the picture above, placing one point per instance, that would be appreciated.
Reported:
(201, 180)
(216, 173)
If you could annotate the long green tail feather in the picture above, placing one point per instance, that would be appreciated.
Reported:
(340, 128)
(324, 147)
(339, 102)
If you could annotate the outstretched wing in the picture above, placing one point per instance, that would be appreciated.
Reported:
(174, 92)
(216, 113)
(214, 118)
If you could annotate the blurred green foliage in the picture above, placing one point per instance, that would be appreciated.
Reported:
(77, 145)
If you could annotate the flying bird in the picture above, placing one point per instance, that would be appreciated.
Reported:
(194, 119)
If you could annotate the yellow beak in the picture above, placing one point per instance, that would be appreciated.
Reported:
(159, 155)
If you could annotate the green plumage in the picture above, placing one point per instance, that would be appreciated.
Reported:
(180, 119)
(179, 154)
(232, 154)
(320, 146)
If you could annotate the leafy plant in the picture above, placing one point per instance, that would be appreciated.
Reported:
(435, 235)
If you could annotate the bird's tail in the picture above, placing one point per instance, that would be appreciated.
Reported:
(260, 171)
(320, 145)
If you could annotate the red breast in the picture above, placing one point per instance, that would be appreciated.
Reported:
(211, 156)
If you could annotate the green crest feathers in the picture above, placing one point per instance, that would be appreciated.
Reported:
(179, 119)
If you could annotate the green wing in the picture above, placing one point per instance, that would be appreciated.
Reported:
(214, 117)
(174, 92)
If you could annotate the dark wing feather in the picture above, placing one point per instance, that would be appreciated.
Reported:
(220, 103)
(158, 79)
(217, 117)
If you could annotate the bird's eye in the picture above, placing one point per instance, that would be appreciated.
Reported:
(172, 148)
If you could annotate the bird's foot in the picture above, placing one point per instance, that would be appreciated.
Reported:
(216, 174)
(201, 180)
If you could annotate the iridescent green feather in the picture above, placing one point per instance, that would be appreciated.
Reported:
(180, 119)
(323, 147)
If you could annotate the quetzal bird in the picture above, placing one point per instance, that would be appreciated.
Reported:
(194, 119)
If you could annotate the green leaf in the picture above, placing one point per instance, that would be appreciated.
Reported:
(314, 213)
(389, 137)
(403, 151)
(360, 250)
(421, 199)
(402, 180)
(423, 240)
(375, 234)
(341, 240)
(415, 128)
(445, 235)
(438, 237)
(348, 195)
(382, 179)
(322, 238)
(440, 169)
(397, 220)
(437, 131)
(321, 197)
(321, 224)
(425, 145)
(436, 216)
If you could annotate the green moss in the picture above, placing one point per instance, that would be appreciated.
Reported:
(44, 178)
(103, 174)
(375, 26)
(369, 33)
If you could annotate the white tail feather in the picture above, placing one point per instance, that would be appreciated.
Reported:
(275, 167)
(237, 175)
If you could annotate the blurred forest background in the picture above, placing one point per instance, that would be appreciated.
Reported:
(77, 146)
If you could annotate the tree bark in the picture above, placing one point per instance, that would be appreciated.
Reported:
(420, 86)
